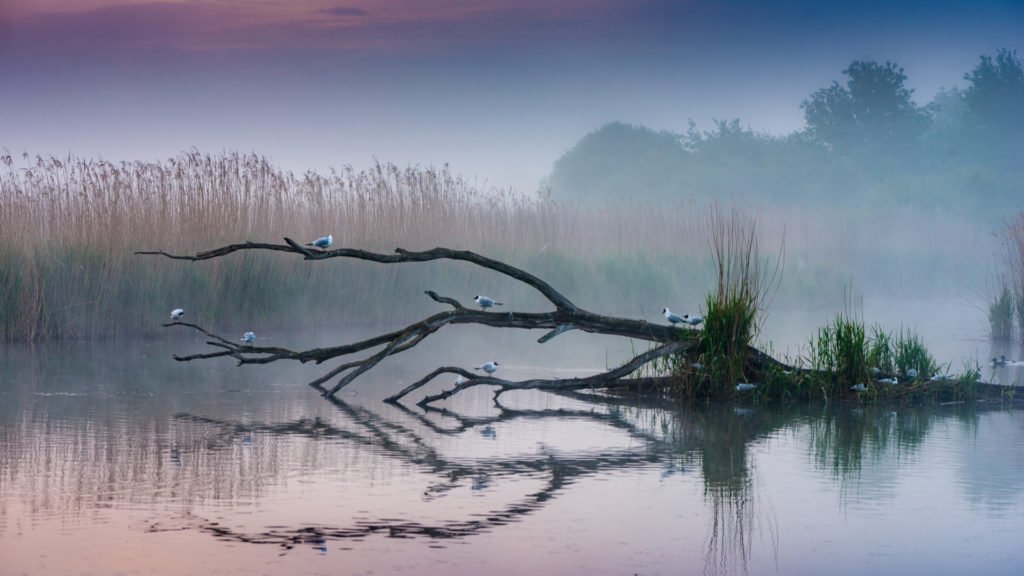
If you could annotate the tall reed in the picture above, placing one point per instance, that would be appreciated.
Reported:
(1015, 252)
(744, 279)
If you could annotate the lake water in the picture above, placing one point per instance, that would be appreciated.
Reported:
(115, 459)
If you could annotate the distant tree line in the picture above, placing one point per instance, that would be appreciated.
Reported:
(866, 143)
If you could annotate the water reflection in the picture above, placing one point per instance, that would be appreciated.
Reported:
(252, 459)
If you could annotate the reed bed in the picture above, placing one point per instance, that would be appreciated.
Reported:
(69, 227)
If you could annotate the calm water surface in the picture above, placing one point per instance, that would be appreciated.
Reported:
(114, 459)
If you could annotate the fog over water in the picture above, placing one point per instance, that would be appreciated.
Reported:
(876, 148)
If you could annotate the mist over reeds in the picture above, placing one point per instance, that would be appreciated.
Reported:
(69, 227)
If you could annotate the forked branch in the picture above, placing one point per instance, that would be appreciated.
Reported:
(565, 317)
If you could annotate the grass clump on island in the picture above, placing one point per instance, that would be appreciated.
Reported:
(743, 282)
(845, 360)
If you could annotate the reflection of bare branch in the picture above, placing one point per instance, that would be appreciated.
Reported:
(405, 444)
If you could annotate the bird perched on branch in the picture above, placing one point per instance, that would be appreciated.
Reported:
(324, 242)
(489, 367)
(177, 314)
(692, 320)
(486, 302)
(672, 316)
(249, 338)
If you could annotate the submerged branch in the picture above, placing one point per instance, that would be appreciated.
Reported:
(610, 378)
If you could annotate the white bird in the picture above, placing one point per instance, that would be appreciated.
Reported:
(875, 370)
(892, 380)
(461, 379)
(672, 316)
(177, 314)
(692, 320)
(249, 338)
(324, 242)
(485, 302)
(941, 377)
(1001, 361)
(489, 367)
(859, 388)
(744, 386)
(912, 373)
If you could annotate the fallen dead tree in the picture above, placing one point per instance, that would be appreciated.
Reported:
(666, 340)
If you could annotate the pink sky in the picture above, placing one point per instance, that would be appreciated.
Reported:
(498, 89)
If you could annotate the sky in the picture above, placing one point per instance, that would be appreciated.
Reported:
(497, 89)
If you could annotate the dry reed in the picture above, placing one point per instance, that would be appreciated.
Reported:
(69, 226)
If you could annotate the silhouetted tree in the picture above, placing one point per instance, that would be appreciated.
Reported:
(996, 93)
(995, 105)
(873, 112)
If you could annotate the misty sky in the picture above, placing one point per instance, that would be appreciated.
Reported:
(498, 89)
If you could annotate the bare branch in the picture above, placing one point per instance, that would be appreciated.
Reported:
(566, 316)
(400, 255)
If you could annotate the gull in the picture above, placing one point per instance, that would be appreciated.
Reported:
(177, 314)
(324, 242)
(485, 302)
(941, 377)
(489, 367)
(1001, 361)
(859, 388)
(249, 338)
(912, 373)
(672, 316)
(744, 386)
(692, 320)
(892, 380)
